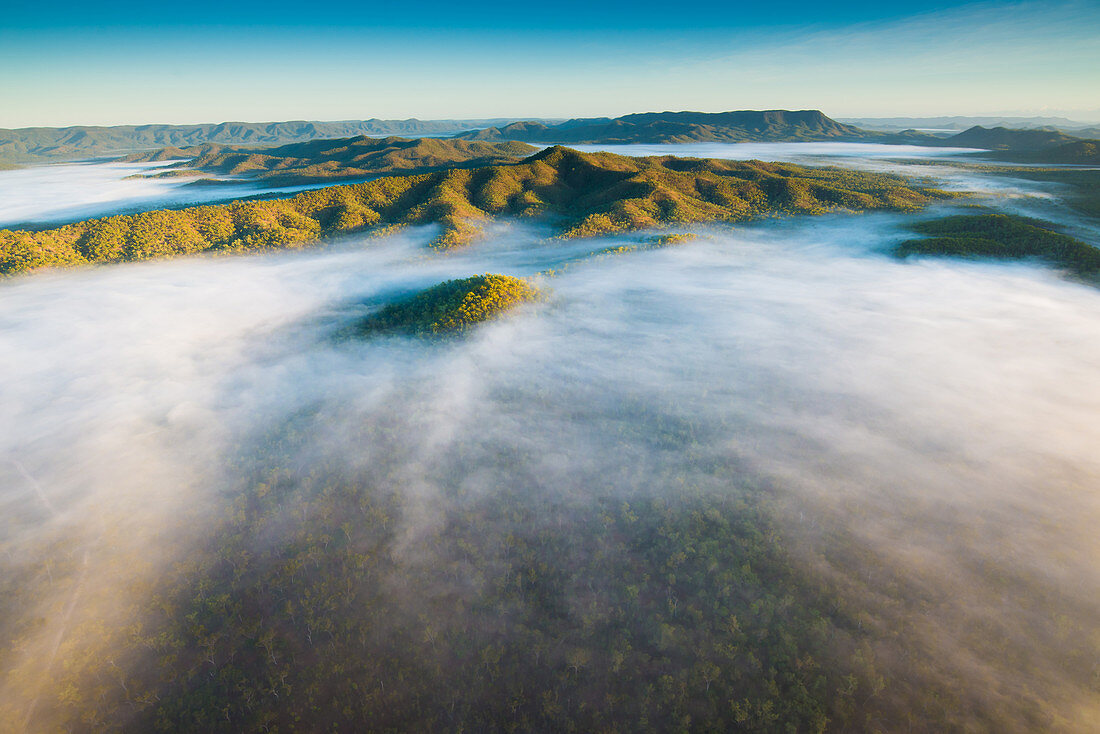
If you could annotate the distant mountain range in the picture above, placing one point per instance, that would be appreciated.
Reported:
(34, 143)
(31, 144)
(1040, 145)
(778, 126)
(960, 123)
(679, 127)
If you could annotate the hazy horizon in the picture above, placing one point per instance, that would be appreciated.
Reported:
(1064, 114)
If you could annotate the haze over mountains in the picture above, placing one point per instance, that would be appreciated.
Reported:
(962, 122)
(758, 126)
(30, 143)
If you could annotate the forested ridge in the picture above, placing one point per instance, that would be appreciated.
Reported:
(1078, 152)
(451, 307)
(324, 160)
(1027, 146)
(1002, 237)
(589, 193)
(1003, 138)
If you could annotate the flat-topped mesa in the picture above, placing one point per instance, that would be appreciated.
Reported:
(590, 194)
(759, 119)
(680, 127)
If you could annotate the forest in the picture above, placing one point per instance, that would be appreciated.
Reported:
(327, 160)
(659, 593)
(588, 194)
(1003, 237)
(450, 307)
(1078, 152)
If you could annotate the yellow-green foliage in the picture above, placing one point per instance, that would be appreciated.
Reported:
(453, 306)
(674, 239)
(654, 243)
(595, 193)
(322, 160)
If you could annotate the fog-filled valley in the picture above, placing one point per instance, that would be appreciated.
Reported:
(773, 478)
(40, 195)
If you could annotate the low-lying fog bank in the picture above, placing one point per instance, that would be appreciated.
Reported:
(918, 436)
(67, 192)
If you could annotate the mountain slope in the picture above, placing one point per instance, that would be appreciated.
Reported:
(321, 160)
(1001, 138)
(592, 193)
(679, 127)
(1079, 152)
(1004, 237)
(1028, 146)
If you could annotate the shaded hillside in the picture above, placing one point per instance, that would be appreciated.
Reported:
(960, 122)
(1028, 146)
(680, 127)
(1001, 138)
(322, 160)
(1082, 152)
(33, 143)
(1002, 237)
(592, 194)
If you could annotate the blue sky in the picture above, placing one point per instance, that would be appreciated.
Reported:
(115, 63)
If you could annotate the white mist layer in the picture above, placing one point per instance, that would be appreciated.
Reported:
(73, 191)
(945, 351)
(942, 415)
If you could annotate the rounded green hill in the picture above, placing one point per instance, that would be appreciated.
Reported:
(452, 306)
